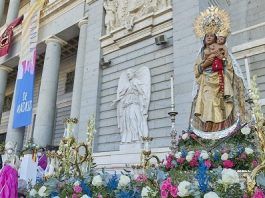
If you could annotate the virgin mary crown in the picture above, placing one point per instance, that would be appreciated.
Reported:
(212, 21)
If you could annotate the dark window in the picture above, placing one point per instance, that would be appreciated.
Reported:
(7, 103)
(2, 138)
(69, 83)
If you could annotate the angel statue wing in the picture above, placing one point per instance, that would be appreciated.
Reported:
(144, 77)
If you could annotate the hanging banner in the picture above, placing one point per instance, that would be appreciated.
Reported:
(6, 37)
(26, 69)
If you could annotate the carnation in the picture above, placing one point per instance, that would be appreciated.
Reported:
(211, 195)
(33, 193)
(145, 191)
(249, 151)
(97, 181)
(189, 158)
(230, 176)
(224, 157)
(124, 181)
(246, 130)
(228, 164)
(77, 189)
(183, 189)
(204, 155)
(42, 191)
(178, 155)
(185, 136)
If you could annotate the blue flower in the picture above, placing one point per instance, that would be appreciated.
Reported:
(184, 152)
(113, 182)
(216, 156)
(128, 194)
(202, 177)
(86, 189)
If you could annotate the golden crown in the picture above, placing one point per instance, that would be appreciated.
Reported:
(212, 21)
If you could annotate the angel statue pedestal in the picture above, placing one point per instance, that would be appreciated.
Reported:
(133, 99)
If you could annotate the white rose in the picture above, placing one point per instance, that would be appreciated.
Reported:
(185, 136)
(33, 193)
(211, 195)
(230, 176)
(145, 191)
(183, 189)
(178, 155)
(77, 183)
(124, 181)
(249, 151)
(189, 158)
(85, 196)
(224, 157)
(97, 181)
(204, 155)
(191, 153)
(42, 191)
(246, 130)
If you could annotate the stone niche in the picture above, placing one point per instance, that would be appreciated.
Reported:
(128, 22)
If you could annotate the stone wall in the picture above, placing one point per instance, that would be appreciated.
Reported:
(159, 59)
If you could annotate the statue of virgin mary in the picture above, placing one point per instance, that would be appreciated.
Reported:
(220, 93)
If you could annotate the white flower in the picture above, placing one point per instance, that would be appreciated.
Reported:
(246, 130)
(185, 136)
(85, 196)
(191, 153)
(33, 193)
(178, 155)
(42, 191)
(77, 183)
(189, 158)
(97, 181)
(145, 191)
(124, 181)
(230, 176)
(224, 157)
(204, 155)
(183, 189)
(249, 151)
(211, 195)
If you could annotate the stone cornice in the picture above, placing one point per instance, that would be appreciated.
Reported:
(147, 26)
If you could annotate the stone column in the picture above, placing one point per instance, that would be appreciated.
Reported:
(14, 135)
(12, 12)
(48, 93)
(3, 80)
(79, 71)
(2, 9)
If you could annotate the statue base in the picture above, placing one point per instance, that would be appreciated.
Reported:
(128, 147)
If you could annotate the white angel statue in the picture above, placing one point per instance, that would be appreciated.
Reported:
(133, 99)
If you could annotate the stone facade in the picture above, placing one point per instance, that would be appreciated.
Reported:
(109, 53)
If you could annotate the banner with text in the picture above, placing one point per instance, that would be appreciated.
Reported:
(24, 90)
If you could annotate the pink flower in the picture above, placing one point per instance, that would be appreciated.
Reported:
(228, 164)
(255, 163)
(77, 189)
(258, 193)
(197, 154)
(243, 156)
(141, 178)
(208, 163)
(181, 160)
(194, 136)
(194, 162)
(74, 196)
(173, 191)
(164, 194)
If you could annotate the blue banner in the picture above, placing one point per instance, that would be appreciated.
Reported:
(24, 94)
(26, 69)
